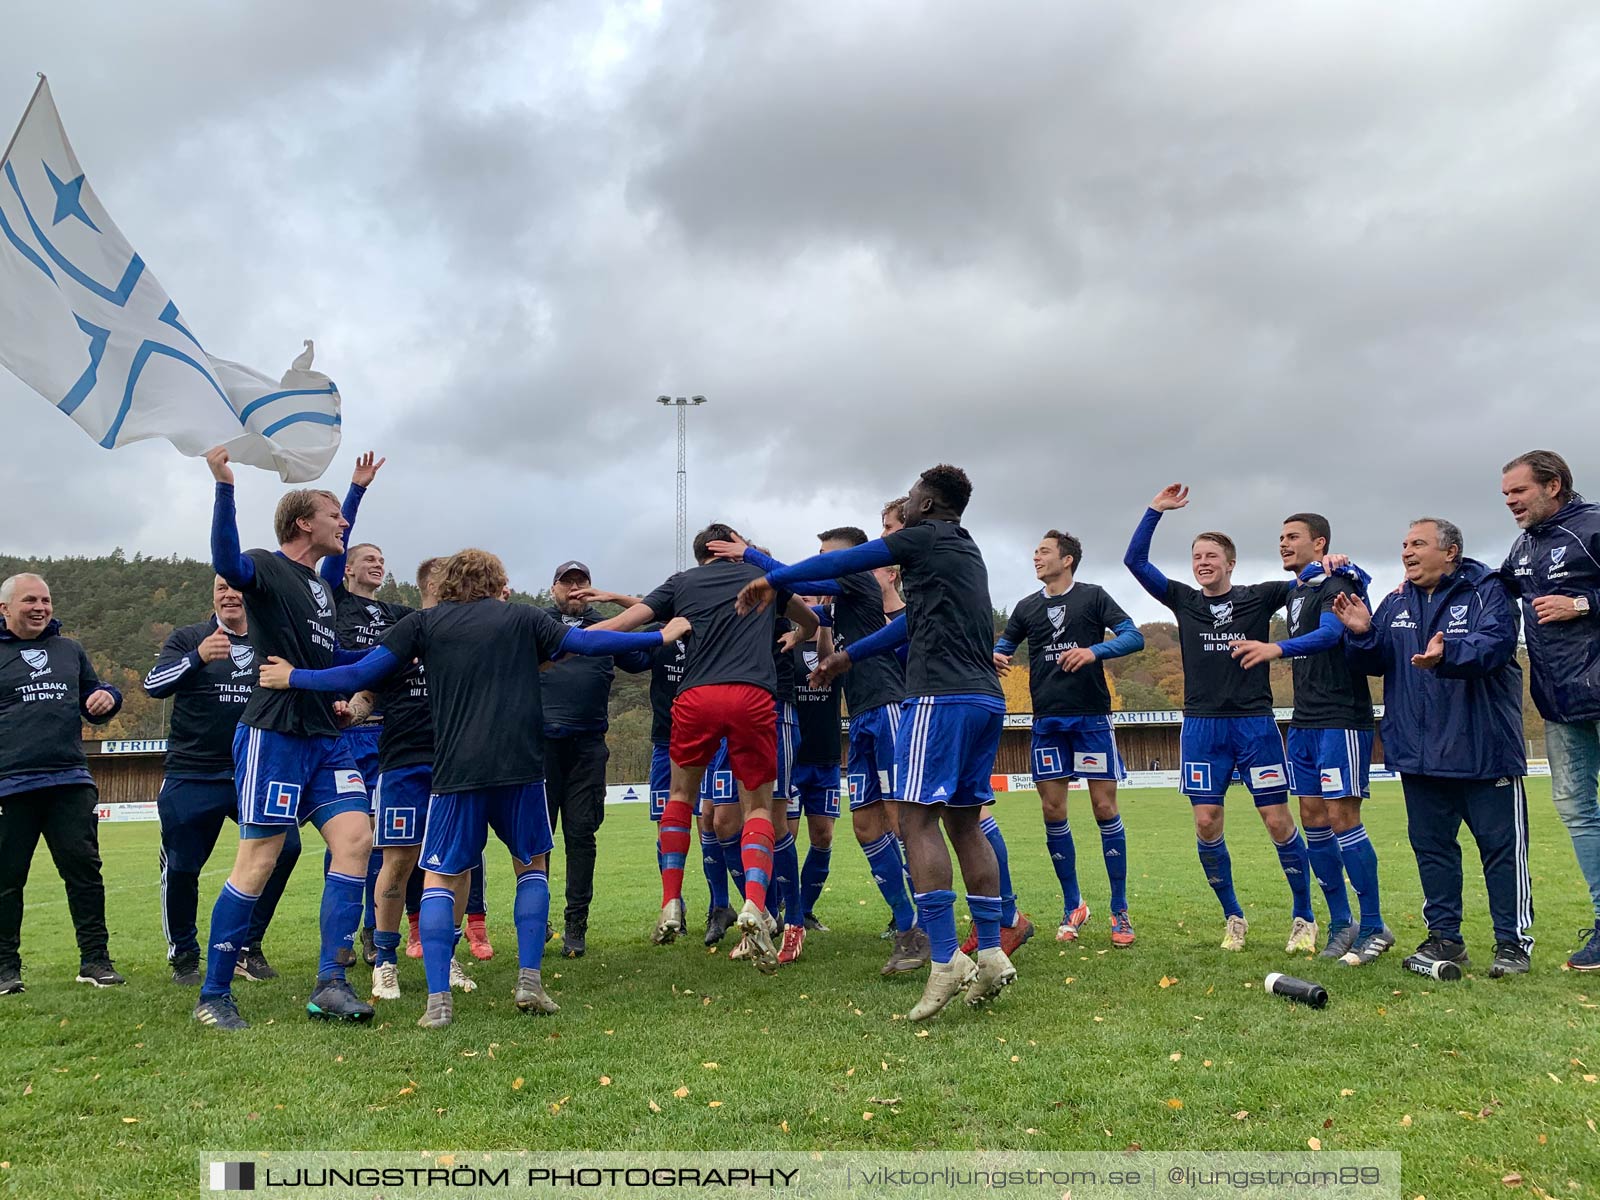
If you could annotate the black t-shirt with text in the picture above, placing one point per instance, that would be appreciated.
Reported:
(407, 737)
(858, 612)
(207, 700)
(1051, 625)
(948, 612)
(1328, 692)
(666, 673)
(292, 616)
(482, 660)
(1214, 684)
(362, 624)
(724, 647)
(43, 684)
(816, 709)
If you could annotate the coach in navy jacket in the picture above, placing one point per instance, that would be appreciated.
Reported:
(1445, 644)
(1554, 569)
(47, 688)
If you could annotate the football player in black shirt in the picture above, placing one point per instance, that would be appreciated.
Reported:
(208, 670)
(1227, 712)
(290, 765)
(952, 717)
(815, 793)
(1065, 624)
(1330, 736)
(727, 693)
(355, 575)
(483, 658)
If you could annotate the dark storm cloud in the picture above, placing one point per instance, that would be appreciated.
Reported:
(1300, 256)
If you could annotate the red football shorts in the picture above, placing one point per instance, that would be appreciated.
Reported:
(740, 712)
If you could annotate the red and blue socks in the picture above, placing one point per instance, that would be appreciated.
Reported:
(755, 854)
(674, 839)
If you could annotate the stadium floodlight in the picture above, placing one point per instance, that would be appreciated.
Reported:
(683, 404)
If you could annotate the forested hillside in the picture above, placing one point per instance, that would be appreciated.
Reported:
(122, 608)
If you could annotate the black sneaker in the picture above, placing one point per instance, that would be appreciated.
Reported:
(1370, 947)
(369, 945)
(1509, 959)
(220, 1012)
(11, 981)
(252, 964)
(573, 943)
(718, 923)
(101, 974)
(186, 970)
(815, 926)
(1438, 958)
(1340, 941)
(1587, 959)
(336, 1000)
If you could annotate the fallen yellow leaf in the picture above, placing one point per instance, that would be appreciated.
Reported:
(924, 1032)
(1314, 1143)
(605, 1081)
(1174, 1103)
(130, 1120)
(1166, 981)
(405, 1091)
(654, 1107)
(850, 1072)
(1347, 1091)
(681, 1092)
(1241, 1114)
(1206, 1063)
(709, 1066)
(516, 1084)
(1512, 1180)
(1405, 1121)
(1016, 1058)
(866, 1116)
(1554, 1078)
(714, 1104)
(784, 1125)
(1175, 1056)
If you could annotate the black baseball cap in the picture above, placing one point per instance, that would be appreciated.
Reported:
(569, 567)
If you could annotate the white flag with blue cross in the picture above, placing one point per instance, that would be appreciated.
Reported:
(85, 324)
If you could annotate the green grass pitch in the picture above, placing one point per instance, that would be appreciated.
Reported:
(114, 1092)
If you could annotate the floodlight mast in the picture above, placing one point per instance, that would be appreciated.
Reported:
(681, 537)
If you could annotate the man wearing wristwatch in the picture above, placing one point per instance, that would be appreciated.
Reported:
(1554, 569)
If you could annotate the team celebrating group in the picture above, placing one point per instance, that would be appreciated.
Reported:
(405, 735)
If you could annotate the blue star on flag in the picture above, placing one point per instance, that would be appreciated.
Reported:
(69, 199)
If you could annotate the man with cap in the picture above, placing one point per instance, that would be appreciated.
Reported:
(577, 701)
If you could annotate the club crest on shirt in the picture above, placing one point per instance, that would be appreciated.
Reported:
(1222, 614)
(38, 661)
(574, 622)
(810, 657)
(319, 594)
(1058, 618)
(1558, 555)
(375, 612)
(1295, 606)
(242, 656)
(1458, 612)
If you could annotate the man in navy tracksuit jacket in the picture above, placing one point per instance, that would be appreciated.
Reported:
(208, 670)
(47, 687)
(1445, 644)
(1554, 569)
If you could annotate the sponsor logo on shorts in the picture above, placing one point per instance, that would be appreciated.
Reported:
(1197, 776)
(1047, 761)
(1268, 777)
(399, 823)
(1332, 778)
(1089, 762)
(282, 799)
(347, 782)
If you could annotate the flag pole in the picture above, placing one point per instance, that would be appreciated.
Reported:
(18, 131)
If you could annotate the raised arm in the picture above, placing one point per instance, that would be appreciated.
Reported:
(226, 560)
(1137, 558)
(332, 568)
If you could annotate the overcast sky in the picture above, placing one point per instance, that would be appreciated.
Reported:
(1336, 256)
